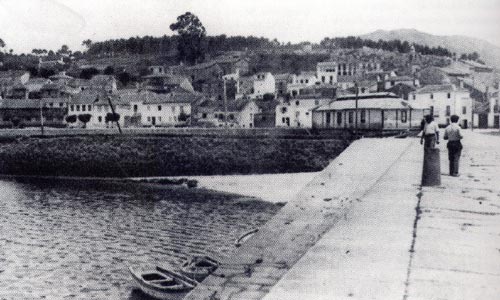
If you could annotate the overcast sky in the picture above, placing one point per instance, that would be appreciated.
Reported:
(28, 24)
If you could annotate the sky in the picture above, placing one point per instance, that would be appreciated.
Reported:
(48, 24)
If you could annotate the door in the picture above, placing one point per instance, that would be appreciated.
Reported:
(483, 121)
(496, 121)
(153, 121)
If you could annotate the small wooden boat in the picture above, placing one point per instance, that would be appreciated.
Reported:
(199, 267)
(244, 237)
(162, 283)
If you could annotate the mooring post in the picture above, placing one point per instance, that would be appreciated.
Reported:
(431, 173)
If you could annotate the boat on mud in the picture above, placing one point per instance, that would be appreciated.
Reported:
(199, 267)
(162, 283)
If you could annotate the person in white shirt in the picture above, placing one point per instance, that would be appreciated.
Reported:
(453, 134)
(430, 133)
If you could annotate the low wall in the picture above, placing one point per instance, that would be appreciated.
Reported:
(141, 156)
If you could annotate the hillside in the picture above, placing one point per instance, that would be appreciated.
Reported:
(460, 44)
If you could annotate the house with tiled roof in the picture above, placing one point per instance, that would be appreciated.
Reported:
(297, 112)
(105, 83)
(236, 113)
(162, 110)
(443, 101)
(368, 114)
(165, 83)
(300, 81)
(15, 113)
(11, 77)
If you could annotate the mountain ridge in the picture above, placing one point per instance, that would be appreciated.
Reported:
(459, 44)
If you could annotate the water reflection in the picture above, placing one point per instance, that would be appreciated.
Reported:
(74, 239)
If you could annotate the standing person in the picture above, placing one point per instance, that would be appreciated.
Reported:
(430, 133)
(453, 135)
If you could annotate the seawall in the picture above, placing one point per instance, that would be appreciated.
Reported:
(143, 156)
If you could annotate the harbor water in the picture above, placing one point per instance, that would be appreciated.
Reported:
(69, 239)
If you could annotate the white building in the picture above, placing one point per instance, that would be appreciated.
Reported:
(370, 114)
(301, 81)
(298, 112)
(326, 72)
(239, 114)
(264, 83)
(443, 101)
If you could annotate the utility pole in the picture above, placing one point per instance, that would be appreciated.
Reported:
(356, 110)
(225, 102)
(114, 114)
(41, 116)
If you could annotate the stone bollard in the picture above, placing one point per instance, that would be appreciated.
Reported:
(431, 173)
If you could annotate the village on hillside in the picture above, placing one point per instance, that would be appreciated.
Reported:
(363, 88)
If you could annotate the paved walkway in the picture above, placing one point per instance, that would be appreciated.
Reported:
(365, 229)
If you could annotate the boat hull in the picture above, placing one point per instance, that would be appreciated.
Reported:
(155, 291)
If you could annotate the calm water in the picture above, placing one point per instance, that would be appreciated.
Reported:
(75, 240)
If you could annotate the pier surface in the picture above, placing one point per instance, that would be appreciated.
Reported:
(364, 228)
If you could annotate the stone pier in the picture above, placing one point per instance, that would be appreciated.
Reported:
(364, 228)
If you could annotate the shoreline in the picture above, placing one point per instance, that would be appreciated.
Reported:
(274, 188)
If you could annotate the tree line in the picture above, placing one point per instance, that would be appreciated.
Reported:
(352, 42)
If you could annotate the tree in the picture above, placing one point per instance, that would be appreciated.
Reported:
(124, 78)
(64, 50)
(84, 118)
(46, 73)
(109, 70)
(87, 43)
(88, 73)
(71, 118)
(2, 43)
(110, 117)
(192, 37)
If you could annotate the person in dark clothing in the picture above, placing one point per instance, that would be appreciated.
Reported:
(454, 136)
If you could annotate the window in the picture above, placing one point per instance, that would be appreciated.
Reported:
(351, 117)
(339, 118)
(283, 120)
(99, 119)
(51, 104)
(204, 115)
(307, 80)
(448, 110)
(363, 116)
(323, 79)
(404, 116)
(89, 108)
(61, 104)
(159, 119)
(328, 118)
(464, 110)
(307, 113)
(231, 117)
(149, 119)
(135, 107)
(173, 109)
(78, 108)
(72, 107)
(297, 102)
(414, 96)
(432, 96)
(449, 95)
(159, 107)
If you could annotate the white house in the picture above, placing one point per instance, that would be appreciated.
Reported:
(239, 113)
(326, 72)
(301, 81)
(163, 109)
(264, 83)
(298, 112)
(445, 100)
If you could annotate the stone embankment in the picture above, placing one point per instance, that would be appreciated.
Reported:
(365, 228)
